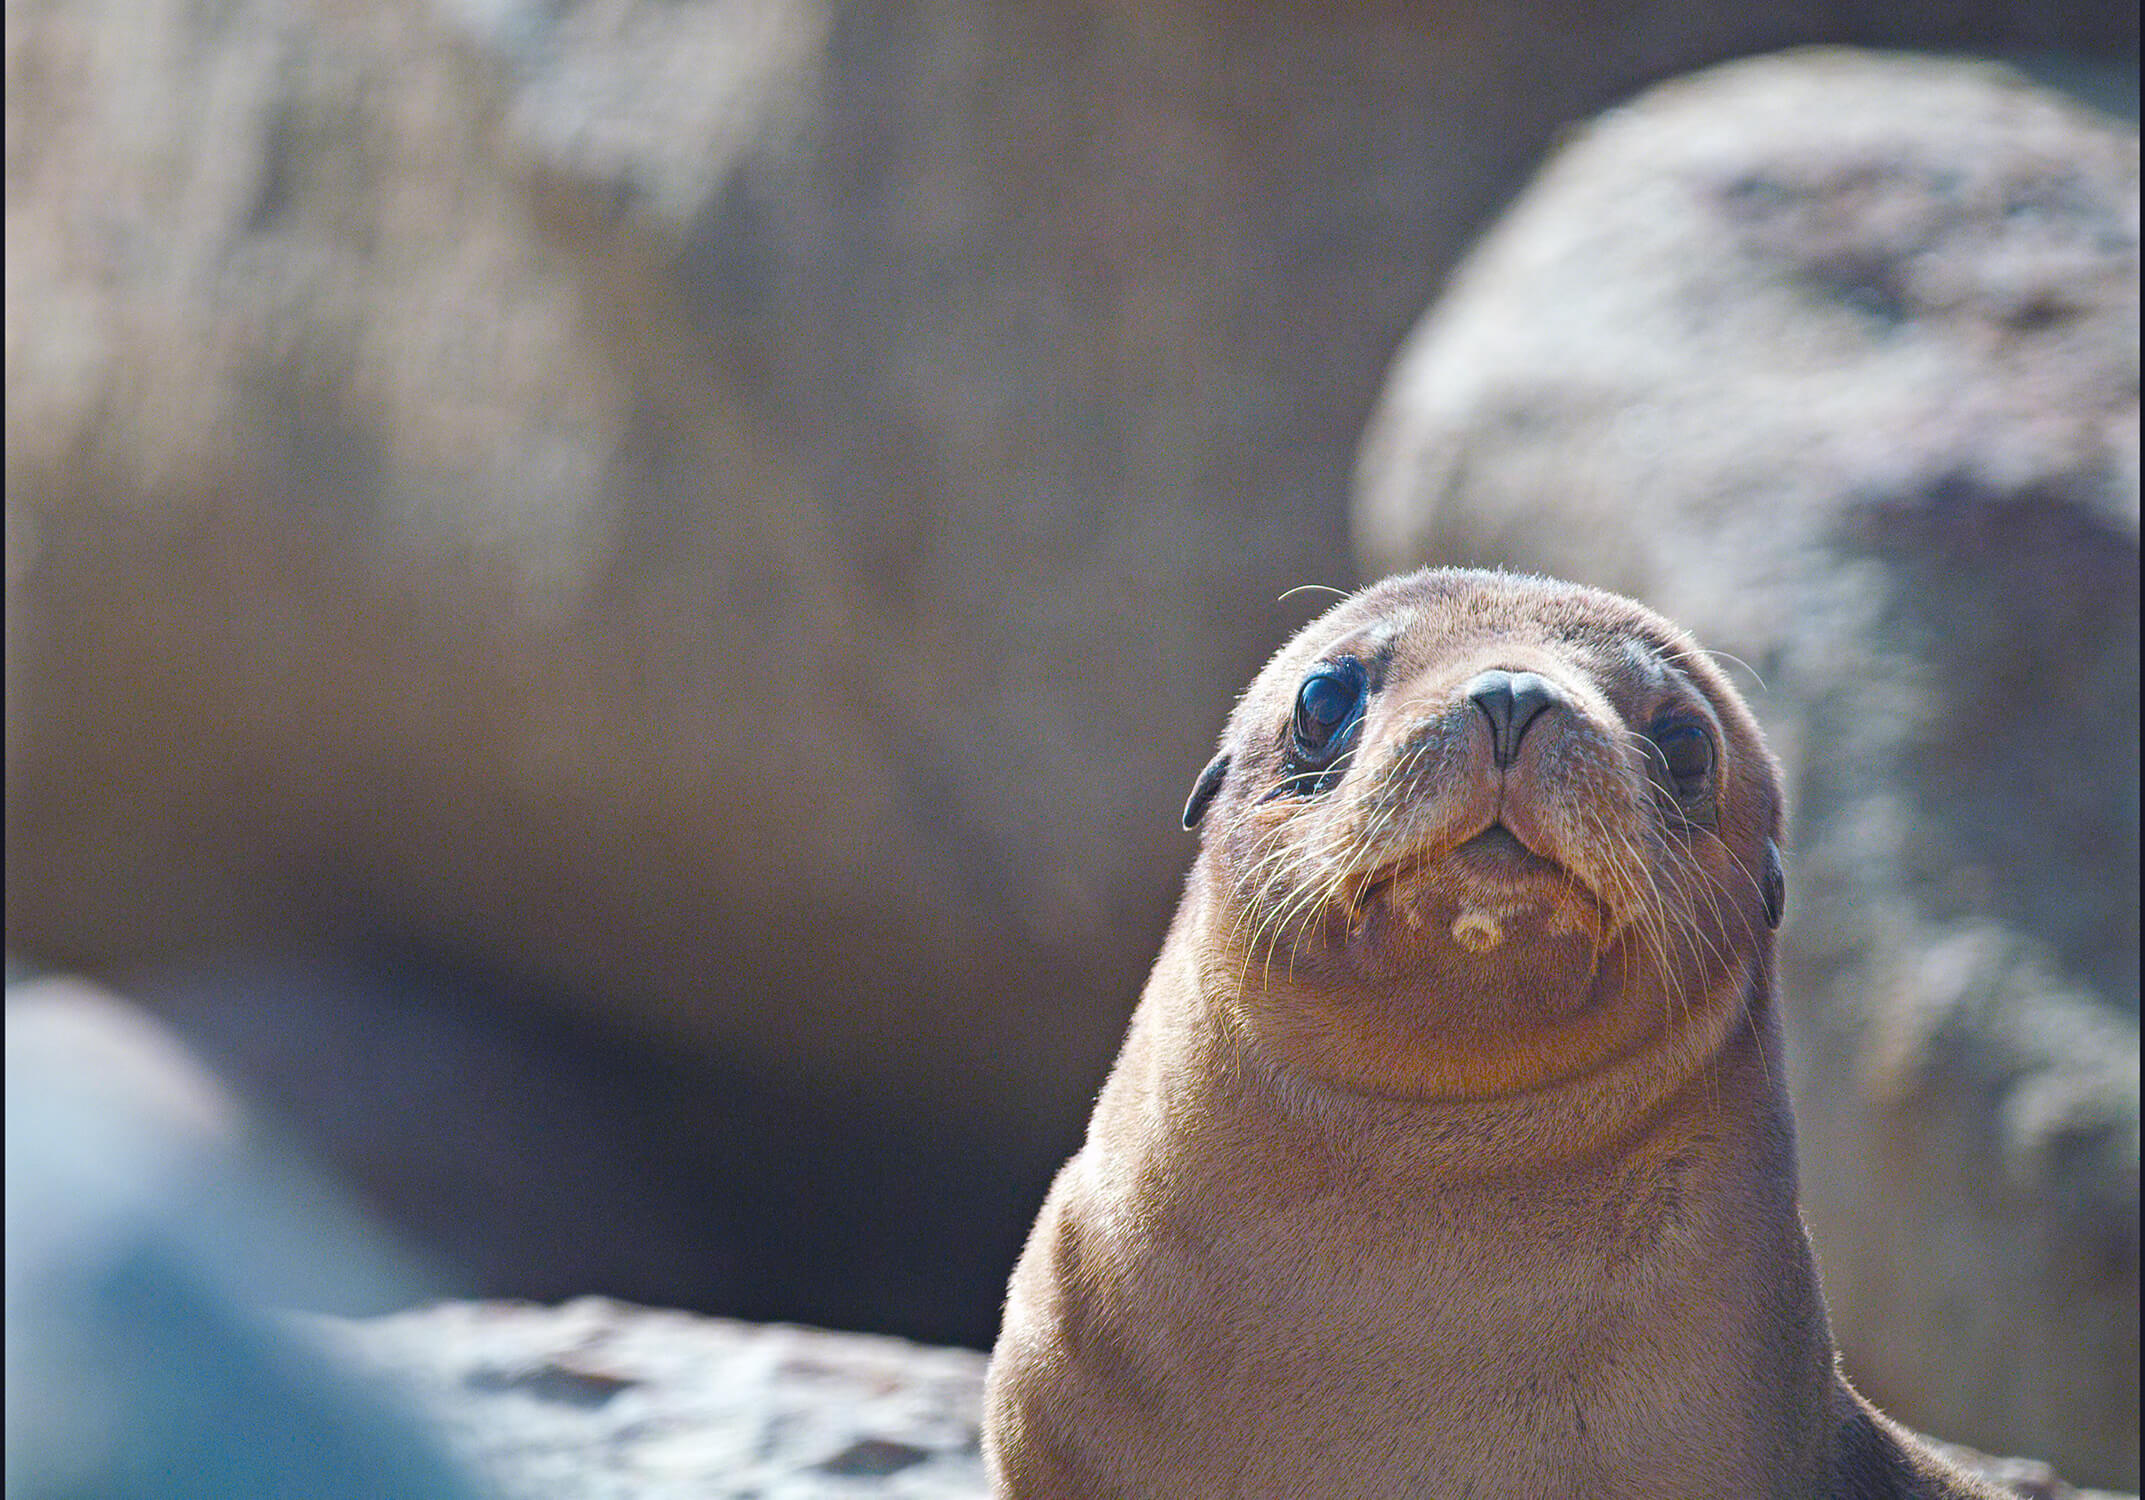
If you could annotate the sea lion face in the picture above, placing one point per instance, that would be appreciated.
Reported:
(1473, 833)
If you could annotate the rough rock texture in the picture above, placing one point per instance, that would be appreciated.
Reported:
(150, 1214)
(604, 1401)
(747, 512)
(1834, 359)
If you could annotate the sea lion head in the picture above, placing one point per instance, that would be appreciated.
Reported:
(1471, 834)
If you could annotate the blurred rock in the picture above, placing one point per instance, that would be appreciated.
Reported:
(597, 1397)
(494, 1133)
(2027, 1478)
(745, 513)
(541, 1158)
(146, 1224)
(1834, 358)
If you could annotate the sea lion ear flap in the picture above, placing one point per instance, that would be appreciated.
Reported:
(1775, 885)
(1204, 788)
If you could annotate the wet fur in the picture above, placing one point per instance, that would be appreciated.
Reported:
(1445, 1165)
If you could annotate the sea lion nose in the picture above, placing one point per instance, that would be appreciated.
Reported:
(1510, 700)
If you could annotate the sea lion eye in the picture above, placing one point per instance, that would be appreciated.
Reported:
(1330, 700)
(1686, 752)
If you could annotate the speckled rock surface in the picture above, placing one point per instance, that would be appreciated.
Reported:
(1833, 358)
(597, 1400)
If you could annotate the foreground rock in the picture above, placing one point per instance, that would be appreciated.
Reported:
(1834, 358)
(612, 1402)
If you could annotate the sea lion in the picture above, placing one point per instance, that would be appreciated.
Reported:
(1448, 1153)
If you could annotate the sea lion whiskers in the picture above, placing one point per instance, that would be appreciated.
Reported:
(1385, 812)
(1676, 975)
(1280, 897)
(1268, 928)
(1252, 891)
(1266, 879)
(1651, 914)
(1313, 898)
(1715, 653)
(1265, 894)
(1676, 859)
(1358, 863)
(1750, 1016)
(1635, 909)
(1332, 859)
(1682, 862)
(1695, 884)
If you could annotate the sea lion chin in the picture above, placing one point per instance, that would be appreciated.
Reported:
(1447, 1152)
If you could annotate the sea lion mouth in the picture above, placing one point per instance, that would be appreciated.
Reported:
(1493, 861)
(1499, 853)
(1496, 857)
(1477, 889)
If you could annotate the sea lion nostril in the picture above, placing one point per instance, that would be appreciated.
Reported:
(1510, 701)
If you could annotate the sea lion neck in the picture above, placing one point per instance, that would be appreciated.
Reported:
(1223, 1071)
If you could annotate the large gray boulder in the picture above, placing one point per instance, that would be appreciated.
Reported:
(1834, 358)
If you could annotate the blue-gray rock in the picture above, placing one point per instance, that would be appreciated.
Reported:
(147, 1224)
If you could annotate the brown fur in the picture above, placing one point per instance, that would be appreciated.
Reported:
(1439, 1165)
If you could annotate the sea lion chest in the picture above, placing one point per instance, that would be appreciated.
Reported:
(1354, 1319)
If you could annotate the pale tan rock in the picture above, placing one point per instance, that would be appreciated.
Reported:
(747, 512)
